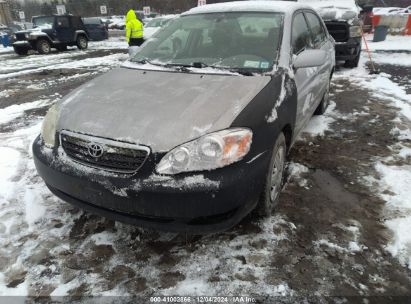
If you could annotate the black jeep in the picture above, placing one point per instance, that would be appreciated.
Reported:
(52, 32)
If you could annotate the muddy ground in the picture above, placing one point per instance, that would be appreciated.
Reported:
(288, 255)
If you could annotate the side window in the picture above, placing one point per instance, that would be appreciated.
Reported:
(76, 22)
(62, 22)
(301, 35)
(317, 29)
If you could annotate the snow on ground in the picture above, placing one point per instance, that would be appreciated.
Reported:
(393, 185)
(32, 64)
(12, 112)
(321, 123)
(392, 43)
(5, 50)
(112, 43)
(399, 59)
(13, 65)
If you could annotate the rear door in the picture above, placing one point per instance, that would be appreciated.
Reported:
(305, 78)
(64, 30)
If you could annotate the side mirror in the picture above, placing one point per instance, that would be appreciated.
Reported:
(310, 58)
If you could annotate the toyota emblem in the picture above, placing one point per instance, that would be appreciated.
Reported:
(95, 150)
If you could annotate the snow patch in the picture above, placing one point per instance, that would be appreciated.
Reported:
(12, 112)
(321, 123)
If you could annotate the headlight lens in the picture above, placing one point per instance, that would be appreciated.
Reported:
(48, 129)
(355, 31)
(27, 35)
(208, 152)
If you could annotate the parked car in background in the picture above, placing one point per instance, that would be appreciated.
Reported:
(106, 21)
(117, 23)
(344, 24)
(227, 89)
(155, 24)
(52, 32)
(95, 28)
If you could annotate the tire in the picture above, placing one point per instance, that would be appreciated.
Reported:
(274, 179)
(354, 62)
(322, 107)
(61, 48)
(21, 51)
(43, 46)
(82, 42)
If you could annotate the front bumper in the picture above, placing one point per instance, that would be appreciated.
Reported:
(348, 50)
(22, 44)
(192, 203)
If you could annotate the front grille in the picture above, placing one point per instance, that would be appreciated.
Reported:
(20, 36)
(116, 156)
(338, 30)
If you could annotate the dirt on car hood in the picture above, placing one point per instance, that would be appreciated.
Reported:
(159, 109)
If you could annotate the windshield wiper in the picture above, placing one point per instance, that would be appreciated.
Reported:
(145, 61)
(241, 71)
(179, 67)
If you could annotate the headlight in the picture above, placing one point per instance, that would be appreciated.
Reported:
(48, 129)
(355, 31)
(27, 35)
(208, 152)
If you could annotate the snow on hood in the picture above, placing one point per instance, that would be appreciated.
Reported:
(334, 9)
(159, 109)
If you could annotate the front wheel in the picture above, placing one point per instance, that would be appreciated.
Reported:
(82, 42)
(43, 46)
(274, 179)
(354, 62)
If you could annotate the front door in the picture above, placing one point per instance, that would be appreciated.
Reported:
(305, 78)
(321, 42)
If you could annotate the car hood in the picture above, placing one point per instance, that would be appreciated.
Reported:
(34, 30)
(335, 9)
(158, 109)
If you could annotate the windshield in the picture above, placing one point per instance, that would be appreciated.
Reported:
(43, 22)
(240, 40)
(155, 22)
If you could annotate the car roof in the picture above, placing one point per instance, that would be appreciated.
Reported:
(43, 16)
(286, 7)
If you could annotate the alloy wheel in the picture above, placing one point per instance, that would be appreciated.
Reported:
(277, 173)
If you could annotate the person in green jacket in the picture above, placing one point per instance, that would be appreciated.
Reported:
(134, 29)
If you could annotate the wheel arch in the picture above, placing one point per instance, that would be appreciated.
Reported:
(81, 33)
(287, 130)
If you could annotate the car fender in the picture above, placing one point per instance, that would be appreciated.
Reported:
(271, 111)
(37, 35)
(80, 32)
